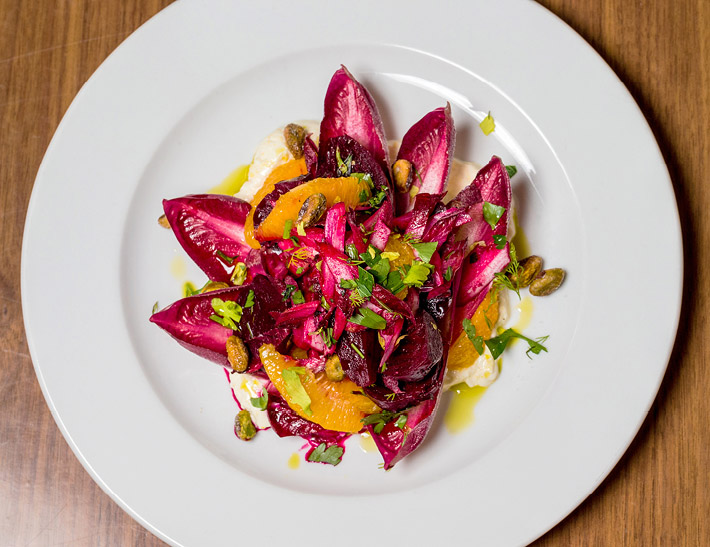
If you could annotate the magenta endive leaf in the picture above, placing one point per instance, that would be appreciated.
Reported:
(350, 110)
(210, 228)
(429, 147)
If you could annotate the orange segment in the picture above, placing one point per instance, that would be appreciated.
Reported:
(349, 190)
(286, 171)
(404, 250)
(462, 354)
(334, 405)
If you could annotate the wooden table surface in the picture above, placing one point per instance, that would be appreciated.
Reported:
(656, 495)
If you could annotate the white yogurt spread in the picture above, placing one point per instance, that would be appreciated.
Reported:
(245, 387)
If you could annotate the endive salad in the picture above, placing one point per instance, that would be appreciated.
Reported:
(339, 292)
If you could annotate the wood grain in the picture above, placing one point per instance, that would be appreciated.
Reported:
(656, 495)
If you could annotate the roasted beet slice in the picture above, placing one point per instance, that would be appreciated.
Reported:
(417, 354)
(359, 356)
(361, 161)
(429, 147)
(350, 110)
(188, 320)
(206, 225)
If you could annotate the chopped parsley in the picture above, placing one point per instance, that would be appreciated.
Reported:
(227, 313)
(511, 170)
(260, 402)
(503, 279)
(417, 273)
(470, 331)
(500, 241)
(287, 292)
(448, 274)
(425, 250)
(368, 318)
(492, 213)
(297, 297)
(498, 344)
(250, 300)
(380, 420)
(295, 389)
(331, 455)
(394, 282)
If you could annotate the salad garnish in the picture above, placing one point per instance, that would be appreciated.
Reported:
(345, 286)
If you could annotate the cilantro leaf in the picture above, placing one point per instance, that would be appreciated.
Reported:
(511, 170)
(331, 455)
(287, 228)
(500, 241)
(250, 300)
(295, 389)
(488, 124)
(227, 313)
(394, 282)
(368, 318)
(381, 270)
(498, 344)
(470, 331)
(365, 282)
(298, 298)
(260, 402)
(425, 250)
(492, 213)
(417, 274)
(287, 292)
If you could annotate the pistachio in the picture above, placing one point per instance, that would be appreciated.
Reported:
(295, 135)
(529, 268)
(333, 369)
(213, 286)
(547, 282)
(243, 426)
(163, 221)
(311, 210)
(402, 172)
(237, 354)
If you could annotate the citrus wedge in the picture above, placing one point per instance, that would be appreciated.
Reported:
(286, 171)
(463, 354)
(348, 190)
(338, 406)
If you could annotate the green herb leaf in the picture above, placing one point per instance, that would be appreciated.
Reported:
(365, 282)
(378, 197)
(488, 124)
(381, 270)
(492, 213)
(300, 230)
(401, 421)
(351, 251)
(425, 250)
(500, 241)
(344, 167)
(287, 292)
(378, 421)
(502, 279)
(470, 331)
(371, 256)
(498, 344)
(295, 389)
(260, 402)
(394, 282)
(287, 228)
(417, 274)
(348, 284)
(368, 318)
(511, 170)
(297, 297)
(225, 258)
(155, 307)
(448, 274)
(250, 300)
(227, 313)
(331, 455)
(357, 350)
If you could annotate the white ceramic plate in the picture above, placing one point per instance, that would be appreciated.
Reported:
(182, 102)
